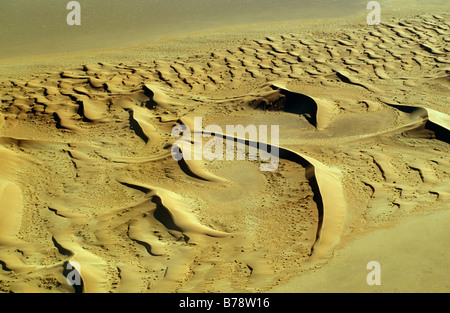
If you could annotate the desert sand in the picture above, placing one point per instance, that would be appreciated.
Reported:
(87, 173)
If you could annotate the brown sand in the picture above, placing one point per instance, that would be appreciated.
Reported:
(87, 175)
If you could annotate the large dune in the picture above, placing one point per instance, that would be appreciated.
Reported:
(87, 173)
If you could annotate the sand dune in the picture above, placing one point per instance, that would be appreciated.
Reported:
(87, 174)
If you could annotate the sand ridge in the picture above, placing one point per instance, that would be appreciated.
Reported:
(89, 176)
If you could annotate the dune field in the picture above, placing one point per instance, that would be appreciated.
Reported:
(87, 173)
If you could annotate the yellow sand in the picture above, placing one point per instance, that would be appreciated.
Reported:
(87, 174)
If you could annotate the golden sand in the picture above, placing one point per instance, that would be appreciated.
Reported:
(87, 176)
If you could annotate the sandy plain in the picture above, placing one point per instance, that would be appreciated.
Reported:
(87, 174)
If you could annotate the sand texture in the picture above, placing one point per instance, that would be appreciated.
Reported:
(87, 174)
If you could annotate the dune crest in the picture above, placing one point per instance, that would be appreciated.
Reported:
(87, 174)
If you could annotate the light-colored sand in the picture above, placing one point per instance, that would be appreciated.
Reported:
(32, 28)
(87, 174)
(419, 263)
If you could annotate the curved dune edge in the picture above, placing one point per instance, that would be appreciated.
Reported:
(423, 118)
(334, 210)
(194, 168)
(439, 118)
(176, 207)
(103, 190)
(331, 195)
(325, 110)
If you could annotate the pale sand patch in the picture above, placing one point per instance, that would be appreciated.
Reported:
(39, 28)
(414, 257)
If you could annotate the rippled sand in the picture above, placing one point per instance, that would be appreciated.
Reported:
(87, 173)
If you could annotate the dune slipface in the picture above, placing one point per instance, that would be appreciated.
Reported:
(87, 173)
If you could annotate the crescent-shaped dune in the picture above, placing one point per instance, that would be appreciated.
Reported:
(87, 175)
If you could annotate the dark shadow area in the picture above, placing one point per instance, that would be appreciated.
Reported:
(134, 125)
(151, 103)
(428, 130)
(162, 214)
(5, 267)
(61, 249)
(140, 188)
(58, 121)
(185, 168)
(405, 108)
(289, 102)
(73, 275)
(300, 104)
(147, 247)
(439, 132)
(80, 112)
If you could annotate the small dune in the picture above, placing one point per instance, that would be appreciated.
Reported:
(87, 174)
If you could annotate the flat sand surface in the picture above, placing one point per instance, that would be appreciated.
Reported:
(36, 28)
(87, 174)
(410, 254)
